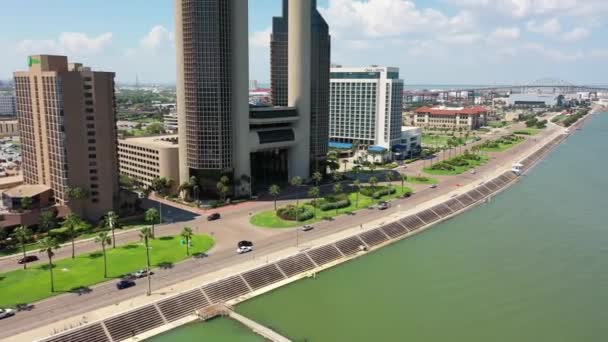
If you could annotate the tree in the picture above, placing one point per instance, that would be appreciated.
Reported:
(184, 190)
(314, 192)
(146, 234)
(345, 162)
(318, 177)
(47, 221)
(296, 182)
(373, 181)
(187, 235)
(23, 234)
(152, 216)
(357, 185)
(72, 225)
(372, 167)
(194, 187)
(48, 245)
(337, 190)
(26, 203)
(389, 178)
(274, 191)
(403, 180)
(111, 222)
(104, 239)
(336, 177)
(332, 160)
(161, 185)
(154, 129)
(223, 187)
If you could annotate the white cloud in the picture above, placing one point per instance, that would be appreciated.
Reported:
(527, 8)
(462, 39)
(260, 38)
(158, 37)
(71, 43)
(576, 34)
(553, 54)
(550, 27)
(502, 34)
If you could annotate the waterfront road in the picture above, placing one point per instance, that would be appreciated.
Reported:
(235, 226)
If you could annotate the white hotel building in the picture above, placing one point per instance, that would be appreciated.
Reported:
(365, 106)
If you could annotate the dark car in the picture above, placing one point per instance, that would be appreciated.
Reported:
(125, 284)
(213, 217)
(28, 258)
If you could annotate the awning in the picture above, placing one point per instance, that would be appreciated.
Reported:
(340, 145)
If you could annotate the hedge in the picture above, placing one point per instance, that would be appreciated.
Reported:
(382, 193)
(334, 205)
(289, 213)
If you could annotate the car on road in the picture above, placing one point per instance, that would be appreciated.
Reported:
(27, 258)
(213, 217)
(125, 284)
(433, 186)
(307, 228)
(383, 205)
(6, 313)
(473, 172)
(140, 274)
(244, 247)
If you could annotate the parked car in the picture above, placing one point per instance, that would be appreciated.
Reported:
(213, 217)
(383, 205)
(244, 247)
(27, 258)
(125, 284)
(307, 228)
(141, 274)
(6, 313)
(473, 171)
(433, 186)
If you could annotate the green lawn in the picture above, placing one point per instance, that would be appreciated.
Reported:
(497, 124)
(527, 131)
(501, 147)
(421, 180)
(435, 140)
(459, 169)
(269, 219)
(33, 284)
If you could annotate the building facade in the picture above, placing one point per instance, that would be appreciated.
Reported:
(450, 118)
(366, 106)
(7, 104)
(9, 128)
(320, 61)
(146, 158)
(67, 126)
(218, 133)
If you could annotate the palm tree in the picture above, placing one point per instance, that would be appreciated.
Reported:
(23, 234)
(274, 191)
(152, 216)
(77, 194)
(146, 234)
(72, 223)
(184, 190)
(314, 192)
(389, 178)
(372, 167)
(296, 182)
(373, 181)
(194, 187)
(47, 221)
(48, 245)
(318, 177)
(345, 162)
(112, 223)
(357, 185)
(223, 187)
(403, 180)
(104, 239)
(187, 235)
(26, 203)
(337, 190)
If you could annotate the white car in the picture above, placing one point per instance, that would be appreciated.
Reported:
(140, 274)
(244, 247)
(5, 313)
(307, 228)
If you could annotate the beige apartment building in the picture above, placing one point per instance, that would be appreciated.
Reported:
(67, 125)
(146, 158)
(9, 128)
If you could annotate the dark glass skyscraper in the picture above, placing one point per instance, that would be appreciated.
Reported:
(319, 66)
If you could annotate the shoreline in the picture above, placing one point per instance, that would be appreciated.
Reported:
(339, 247)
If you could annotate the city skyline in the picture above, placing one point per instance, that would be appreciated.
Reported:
(432, 41)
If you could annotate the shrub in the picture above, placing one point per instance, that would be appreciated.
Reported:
(288, 213)
(443, 166)
(334, 205)
(370, 190)
(523, 132)
(384, 192)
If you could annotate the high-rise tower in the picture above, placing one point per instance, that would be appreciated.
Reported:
(319, 56)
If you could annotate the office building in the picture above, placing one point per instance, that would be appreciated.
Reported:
(170, 122)
(146, 158)
(534, 100)
(365, 106)
(320, 61)
(218, 133)
(410, 144)
(7, 104)
(67, 127)
(451, 118)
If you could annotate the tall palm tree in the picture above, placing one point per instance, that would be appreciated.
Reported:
(318, 177)
(337, 190)
(48, 245)
(345, 162)
(72, 223)
(152, 217)
(104, 239)
(357, 185)
(314, 192)
(23, 234)
(146, 234)
(373, 181)
(296, 182)
(403, 180)
(194, 187)
(47, 221)
(274, 191)
(372, 167)
(187, 235)
(112, 223)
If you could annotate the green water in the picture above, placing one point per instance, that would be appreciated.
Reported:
(528, 266)
(217, 330)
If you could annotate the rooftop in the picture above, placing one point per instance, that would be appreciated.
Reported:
(26, 190)
(156, 141)
(442, 110)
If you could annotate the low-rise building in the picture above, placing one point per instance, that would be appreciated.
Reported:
(170, 122)
(146, 158)
(534, 100)
(469, 118)
(411, 143)
(9, 128)
(7, 104)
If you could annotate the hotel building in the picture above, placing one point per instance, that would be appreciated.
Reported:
(67, 127)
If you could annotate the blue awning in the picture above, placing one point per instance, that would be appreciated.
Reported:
(340, 146)
(376, 149)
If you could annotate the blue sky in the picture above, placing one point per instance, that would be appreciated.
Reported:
(432, 41)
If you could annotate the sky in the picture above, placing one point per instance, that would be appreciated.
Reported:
(432, 41)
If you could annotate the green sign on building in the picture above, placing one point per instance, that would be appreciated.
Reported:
(31, 61)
